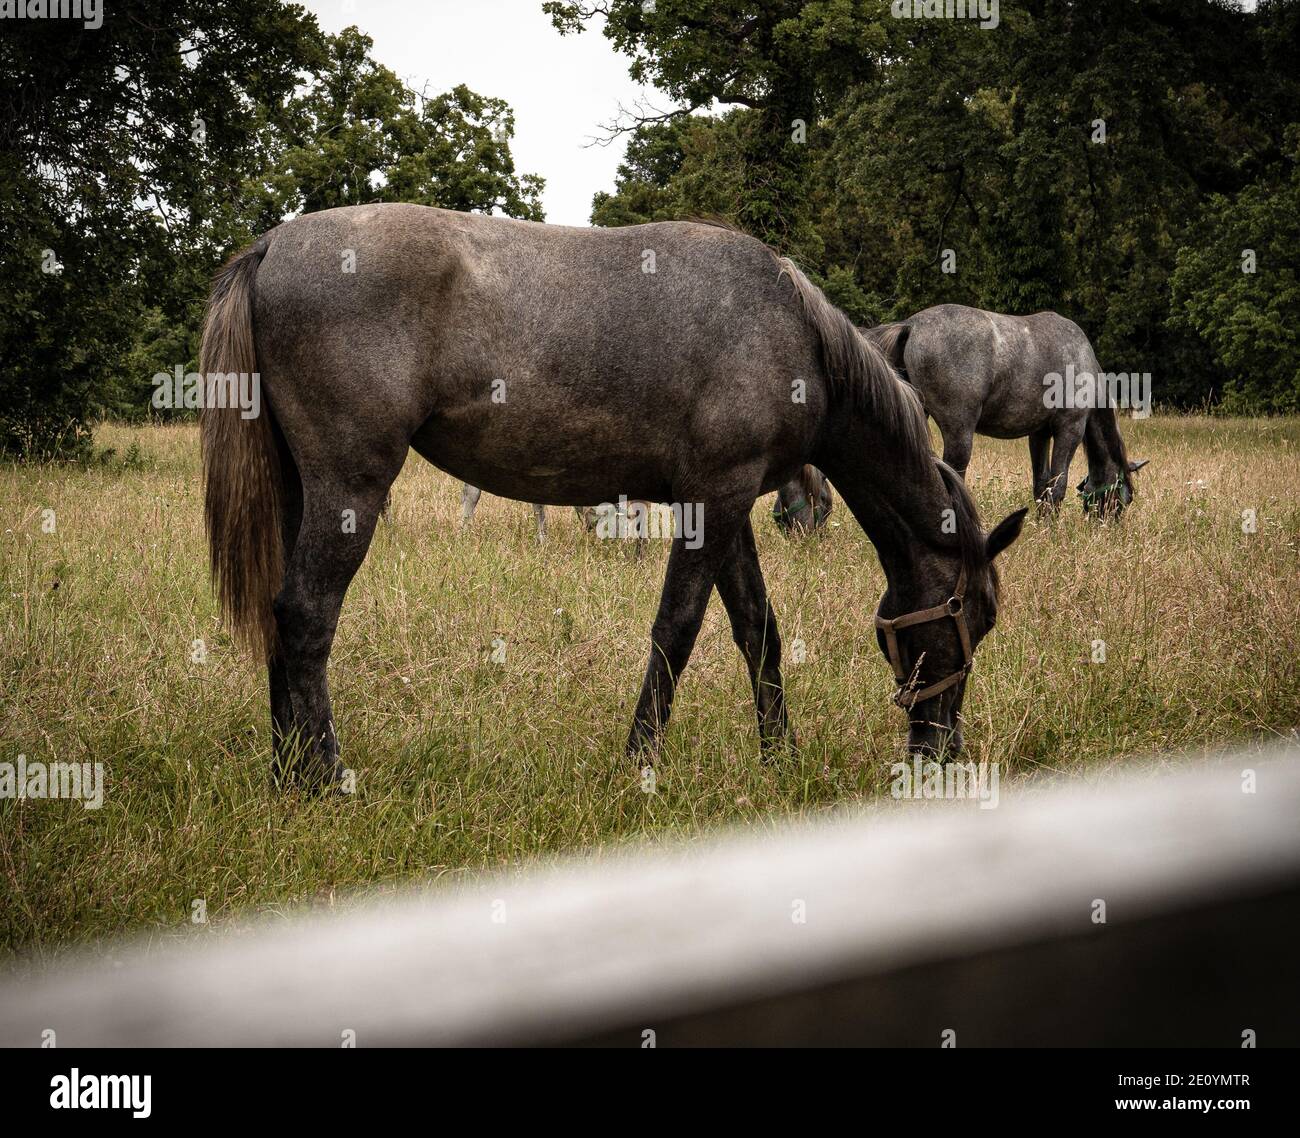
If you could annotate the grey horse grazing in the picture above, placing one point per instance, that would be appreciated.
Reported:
(804, 503)
(469, 496)
(982, 372)
(513, 355)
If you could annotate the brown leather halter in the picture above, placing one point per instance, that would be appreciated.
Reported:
(906, 697)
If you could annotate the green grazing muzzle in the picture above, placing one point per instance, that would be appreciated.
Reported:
(784, 515)
(1097, 497)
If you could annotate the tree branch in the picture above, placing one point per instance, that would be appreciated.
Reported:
(943, 224)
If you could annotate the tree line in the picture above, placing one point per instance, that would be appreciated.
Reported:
(135, 157)
(1131, 164)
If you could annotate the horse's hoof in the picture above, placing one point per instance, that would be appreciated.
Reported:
(311, 778)
(782, 746)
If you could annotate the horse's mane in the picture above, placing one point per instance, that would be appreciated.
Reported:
(890, 338)
(856, 369)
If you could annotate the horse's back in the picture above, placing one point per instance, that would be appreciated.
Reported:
(523, 296)
(950, 359)
(984, 371)
(534, 360)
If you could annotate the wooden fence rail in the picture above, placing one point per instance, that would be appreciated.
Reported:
(1157, 908)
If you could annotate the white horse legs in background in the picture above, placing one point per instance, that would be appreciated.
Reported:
(469, 496)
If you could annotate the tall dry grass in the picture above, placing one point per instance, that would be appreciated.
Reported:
(463, 763)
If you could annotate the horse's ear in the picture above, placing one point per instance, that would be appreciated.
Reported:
(1004, 533)
(1134, 467)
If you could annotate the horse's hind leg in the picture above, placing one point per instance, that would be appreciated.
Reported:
(753, 626)
(687, 585)
(469, 496)
(281, 703)
(338, 521)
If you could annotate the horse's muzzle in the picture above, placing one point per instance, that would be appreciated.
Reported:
(937, 733)
(934, 741)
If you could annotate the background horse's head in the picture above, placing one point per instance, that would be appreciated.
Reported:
(1110, 493)
(929, 624)
(804, 503)
(1108, 488)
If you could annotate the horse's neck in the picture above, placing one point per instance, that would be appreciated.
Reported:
(903, 506)
(1101, 443)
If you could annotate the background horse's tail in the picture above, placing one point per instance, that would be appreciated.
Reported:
(892, 340)
(811, 479)
(241, 464)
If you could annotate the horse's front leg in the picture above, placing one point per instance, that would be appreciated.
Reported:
(956, 450)
(692, 569)
(1040, 446)
(753, 627)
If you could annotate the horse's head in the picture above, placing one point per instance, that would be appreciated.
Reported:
(929, 625)
(804, 503)
(1109, 491)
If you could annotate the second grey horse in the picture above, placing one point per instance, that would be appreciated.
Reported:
(984, 373)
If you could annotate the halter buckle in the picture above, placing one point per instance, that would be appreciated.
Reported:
(908, 697)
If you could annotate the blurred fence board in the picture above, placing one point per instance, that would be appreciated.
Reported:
(917, 919)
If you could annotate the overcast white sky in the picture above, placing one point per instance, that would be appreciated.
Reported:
(561, 88)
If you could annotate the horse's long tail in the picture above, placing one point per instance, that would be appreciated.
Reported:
(241, 464)
(810, 479)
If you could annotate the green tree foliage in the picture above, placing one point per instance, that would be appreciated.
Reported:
(359, 135)
(102, 180)
(785, 60)
(136, 156)
(1238, 286)
(1060, 160)
(683, 167)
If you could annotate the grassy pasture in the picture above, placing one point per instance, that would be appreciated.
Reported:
(463, 763)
